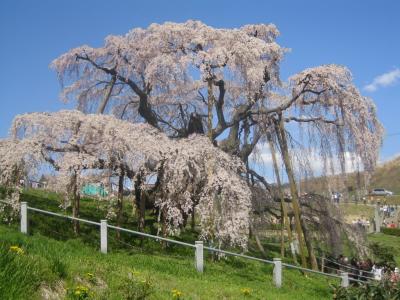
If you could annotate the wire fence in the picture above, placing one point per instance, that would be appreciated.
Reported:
(158, 238)
(341, 265)
(198, 246)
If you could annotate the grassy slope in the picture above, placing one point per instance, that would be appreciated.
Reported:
(355, 211)
(222, 280)
(389, 241)
(49, 259)
(387, 176)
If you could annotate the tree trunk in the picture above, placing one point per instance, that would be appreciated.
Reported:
(163, 229)
(75, 204)
(281, 134)
(75, 214)
(193, 221)
(259, 245)
(141, 201)
(107, 96)
(284, 216)
(120, 201)
(210, 103)
(342, 161)
(310, 249)
(290, 237)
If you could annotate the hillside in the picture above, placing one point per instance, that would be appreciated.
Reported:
(387, 175)
(56, 264)
(50, 267)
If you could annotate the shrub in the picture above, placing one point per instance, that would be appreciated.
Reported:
(383, 254)
(381, 290)
(391, 231)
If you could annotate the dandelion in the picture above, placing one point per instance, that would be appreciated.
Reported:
(177, 294)
(90, 277)
(81, 292)
(246, 291)
(16, 250)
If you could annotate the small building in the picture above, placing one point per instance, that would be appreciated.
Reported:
(35, 184)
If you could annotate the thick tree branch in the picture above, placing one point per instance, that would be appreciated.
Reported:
(313, 119)
(145, 109)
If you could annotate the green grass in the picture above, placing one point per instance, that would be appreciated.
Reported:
(388, 241)
(38, 270)
(390, 200)
(57, 260)
(353, 211)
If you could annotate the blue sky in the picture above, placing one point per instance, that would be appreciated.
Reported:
(363, 35)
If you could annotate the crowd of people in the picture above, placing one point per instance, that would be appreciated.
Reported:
(389, 217)
(362, 270)
(363, 222)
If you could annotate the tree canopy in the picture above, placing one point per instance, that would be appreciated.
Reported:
(170, 75)
(190, 172)
(145, 101)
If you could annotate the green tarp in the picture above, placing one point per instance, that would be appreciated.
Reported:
(94, 190)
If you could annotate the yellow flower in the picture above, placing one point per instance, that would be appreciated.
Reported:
(246, 291)
(176, 294)
(16, 249)
(136, 273)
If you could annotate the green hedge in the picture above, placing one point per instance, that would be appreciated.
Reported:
(391, 231)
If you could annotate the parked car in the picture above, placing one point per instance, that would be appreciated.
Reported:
(381, 192)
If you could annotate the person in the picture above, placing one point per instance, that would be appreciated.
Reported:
(377, 271)
(335, 197)
(365, 267)
(395, 276)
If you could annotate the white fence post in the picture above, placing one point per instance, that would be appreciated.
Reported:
(345, 279)
(277, 273)
(377, 219)
(103, 236)
(199, 256)
(24, 217)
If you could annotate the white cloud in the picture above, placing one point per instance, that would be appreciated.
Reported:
(384, 80)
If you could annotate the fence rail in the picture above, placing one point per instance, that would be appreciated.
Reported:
(198, 246)
(151, 236)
